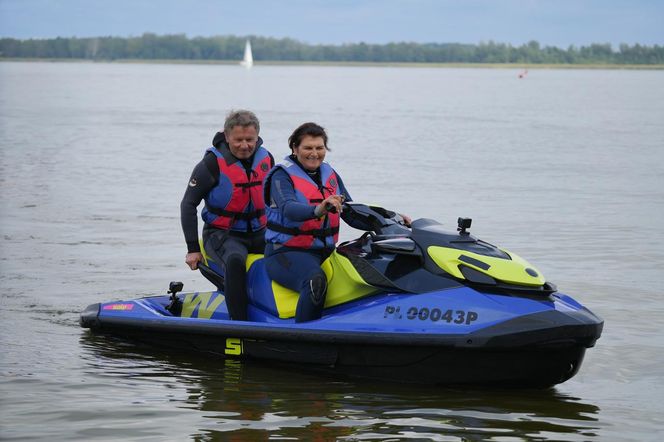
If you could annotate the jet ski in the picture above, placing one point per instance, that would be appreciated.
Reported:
(411, 304)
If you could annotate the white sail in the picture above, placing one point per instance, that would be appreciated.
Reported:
(248, 60)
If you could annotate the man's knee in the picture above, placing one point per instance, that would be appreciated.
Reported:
(235, 262)
(235, 257)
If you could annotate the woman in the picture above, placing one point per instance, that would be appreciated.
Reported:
(303, 196)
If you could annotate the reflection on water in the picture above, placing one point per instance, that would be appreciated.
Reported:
(252, 400)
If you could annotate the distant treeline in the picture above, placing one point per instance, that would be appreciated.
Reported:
(180, 47)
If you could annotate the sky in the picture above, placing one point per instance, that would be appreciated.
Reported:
(550, 22)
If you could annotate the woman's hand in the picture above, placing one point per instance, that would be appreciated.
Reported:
(330, 204)
(406, 220)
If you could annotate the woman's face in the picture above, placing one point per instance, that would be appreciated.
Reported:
(311, 152)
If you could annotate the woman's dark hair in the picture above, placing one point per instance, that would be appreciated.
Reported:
(310, 129)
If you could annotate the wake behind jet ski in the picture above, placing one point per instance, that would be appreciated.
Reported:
(420, 304)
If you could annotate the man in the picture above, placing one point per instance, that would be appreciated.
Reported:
(230, 180)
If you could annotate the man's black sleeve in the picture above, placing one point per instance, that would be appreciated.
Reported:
(202, 180)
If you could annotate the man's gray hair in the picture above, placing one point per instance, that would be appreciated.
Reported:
(242, 118)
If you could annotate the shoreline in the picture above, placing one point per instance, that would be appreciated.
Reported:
(351, 63)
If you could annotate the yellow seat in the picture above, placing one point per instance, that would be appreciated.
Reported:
(344, 284)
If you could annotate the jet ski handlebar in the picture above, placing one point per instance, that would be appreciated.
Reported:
(375, 219)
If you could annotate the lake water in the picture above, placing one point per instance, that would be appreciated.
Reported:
(564, 167)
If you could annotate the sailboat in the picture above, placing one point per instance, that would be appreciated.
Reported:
(248, 60)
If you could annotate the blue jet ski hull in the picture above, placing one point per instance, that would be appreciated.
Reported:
(454, 336)
(406, 304)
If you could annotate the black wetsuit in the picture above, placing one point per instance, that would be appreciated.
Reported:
(227, 247)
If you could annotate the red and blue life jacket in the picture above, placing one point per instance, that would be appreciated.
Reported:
(317, 233)
(237, 200)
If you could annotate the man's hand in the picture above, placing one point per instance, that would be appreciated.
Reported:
(192, 259)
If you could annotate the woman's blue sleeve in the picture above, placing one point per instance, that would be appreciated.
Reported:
(282, 193)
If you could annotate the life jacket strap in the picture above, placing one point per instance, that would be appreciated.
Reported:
(249, 184)
(245, 216)
(294, 231)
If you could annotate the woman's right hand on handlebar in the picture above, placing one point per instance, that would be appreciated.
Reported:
(332, 204)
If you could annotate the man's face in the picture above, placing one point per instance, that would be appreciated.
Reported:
(242, 141)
